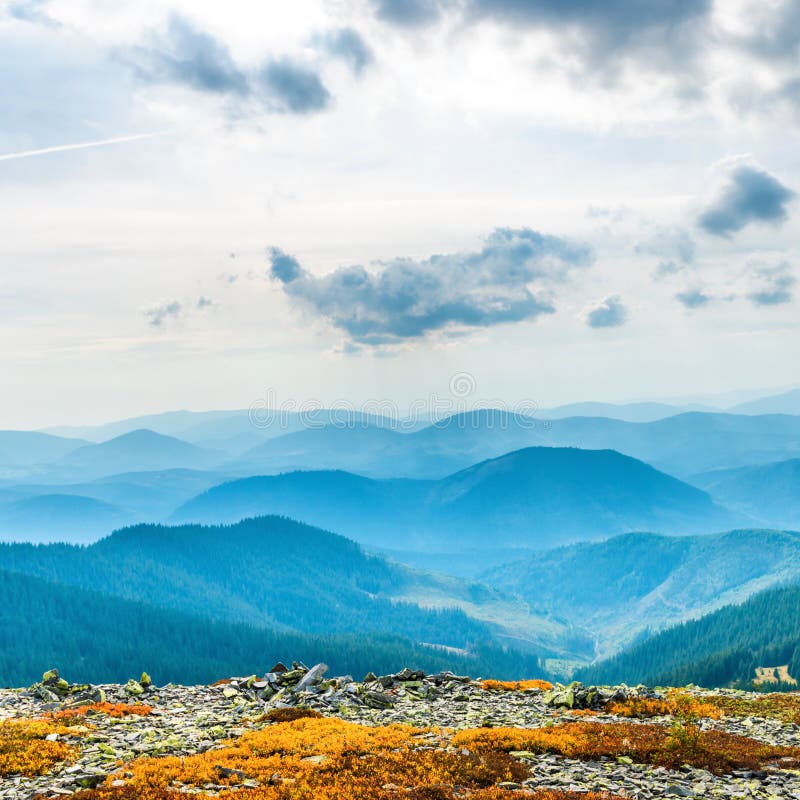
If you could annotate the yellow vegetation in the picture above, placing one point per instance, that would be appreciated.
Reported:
(329, 759)
(116, 710)
(25, 751)
(515, 686)
(676, 704)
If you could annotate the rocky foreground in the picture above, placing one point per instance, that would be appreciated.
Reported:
(295, 733)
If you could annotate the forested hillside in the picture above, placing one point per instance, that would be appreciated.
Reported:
(620, 588)
(94, 637)
(720, 649)
(268, 572)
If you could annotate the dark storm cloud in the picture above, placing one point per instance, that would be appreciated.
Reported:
(610, 312)
(693, 298)
(773, 285)
(748, 194)
(349, 46)
(407, 298)
(187, 56)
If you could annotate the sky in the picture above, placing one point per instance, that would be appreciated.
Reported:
(208, 204)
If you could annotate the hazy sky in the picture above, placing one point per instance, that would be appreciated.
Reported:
(568, 199)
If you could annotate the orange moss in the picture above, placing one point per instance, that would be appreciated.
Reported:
(676, 704)
(784, 706)
(321, 759)
(329, 759)
(116, 710)
(515, 686)
(715, 751)
(288, 714)
(25, 751)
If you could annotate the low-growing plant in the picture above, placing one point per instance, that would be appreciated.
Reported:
(116, 710)
(782, 706)
(24, 749)
(716, 751)
(675, 704)
(329, 759)
(288, 714)
(515, 686)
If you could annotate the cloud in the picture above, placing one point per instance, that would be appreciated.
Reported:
(159, 313)
(407, 298)
(187, 56)
(610, 312)
(615, 22)
(775, 35)
(204, 303)
(348, 45)
(409, 13)
(296, 88)
(693, 298)
(31, 11)
(673, 245)
(773, 285)
(747, 194)
(601, 32)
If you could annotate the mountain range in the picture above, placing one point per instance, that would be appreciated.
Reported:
(537, 497)
(524, 543)
(681, 445)
(766, 492)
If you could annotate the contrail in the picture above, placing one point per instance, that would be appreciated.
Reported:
(62, 147)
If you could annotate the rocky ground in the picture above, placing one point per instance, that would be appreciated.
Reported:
(186, 720)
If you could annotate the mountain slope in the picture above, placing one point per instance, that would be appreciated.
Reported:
(768, 492)
(722, 648)
(59, 518)
(621, 588)
(365, 449)
(784, 403)
(560, 494)
(537, 497)
(138, 451)
(690, 443)
(268, 572)
(628, 412)
(27, 448)
(233, 431)
(368, 510)
(681, 445)
(79, 631)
